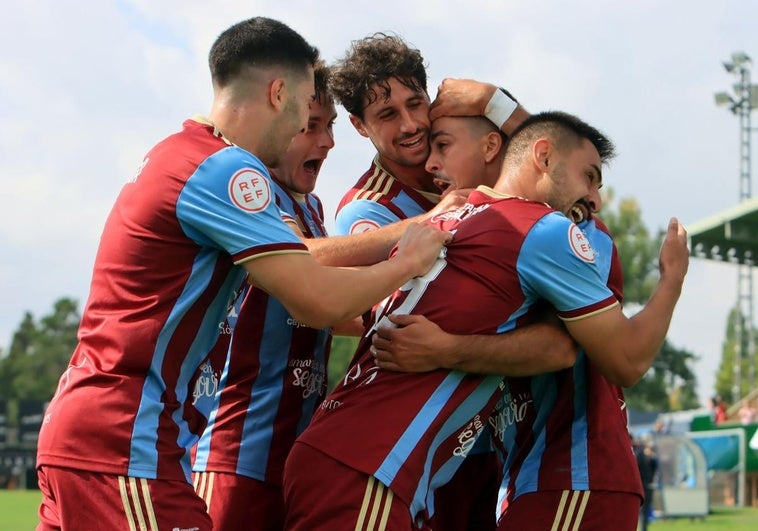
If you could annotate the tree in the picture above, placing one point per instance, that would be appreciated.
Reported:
(39, 353)
(733, 342)
(670, 384)
(343, 348)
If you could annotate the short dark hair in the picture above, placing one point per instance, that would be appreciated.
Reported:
(371, 61)
(259, 42)
(321, 74)
(566, 130)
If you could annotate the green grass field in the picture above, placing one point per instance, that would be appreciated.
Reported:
(18, 509)
(18, 512)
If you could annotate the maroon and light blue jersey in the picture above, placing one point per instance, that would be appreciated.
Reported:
(567, 430)
(164, 277)
(378, 199)
(274, 376)
(412, 431)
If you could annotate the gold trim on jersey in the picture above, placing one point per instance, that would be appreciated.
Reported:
(376, 505)
(203, 483)
(378, 185)
(590, 314)
(130, 498)
(574, 512)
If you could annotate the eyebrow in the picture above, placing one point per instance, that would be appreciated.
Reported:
(436, 134)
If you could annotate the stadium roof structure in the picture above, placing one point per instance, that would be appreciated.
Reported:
(728, 236)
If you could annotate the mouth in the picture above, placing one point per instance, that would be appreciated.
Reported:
(579, 212)
(443, 183)
(414, 142)
(312, 166)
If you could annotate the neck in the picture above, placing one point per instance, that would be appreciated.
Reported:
(413, 176)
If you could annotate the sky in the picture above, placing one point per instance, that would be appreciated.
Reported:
(88, 88)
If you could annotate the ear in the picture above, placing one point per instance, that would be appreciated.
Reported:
(358, 124)
(492, 146)
(541, 151)
(277, 93)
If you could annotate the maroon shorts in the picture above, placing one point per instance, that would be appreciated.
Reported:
(577, 510)
(240, 503)
(321, 493)
(468, 501)
(77, 499)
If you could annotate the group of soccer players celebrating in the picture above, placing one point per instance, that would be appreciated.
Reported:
(486, 389)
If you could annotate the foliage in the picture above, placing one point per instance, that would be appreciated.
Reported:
(343, 348)
(670, 383)
(39, 353)
(732, 343)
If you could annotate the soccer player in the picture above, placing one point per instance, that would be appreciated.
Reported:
(182, 235)
(381, 81)
(509, 251)
(274, 375)
(572, 424)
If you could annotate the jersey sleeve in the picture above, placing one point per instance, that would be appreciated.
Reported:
(362, 215)
(229, 203)
(557, 263)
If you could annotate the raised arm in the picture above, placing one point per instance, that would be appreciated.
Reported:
(419, 345)
(468, 97)
(321, 296)
(624, 348)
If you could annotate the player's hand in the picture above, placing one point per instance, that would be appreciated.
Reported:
(675, 256)
(451, 200)
(461, 97)
(420, 246)
(415, 344)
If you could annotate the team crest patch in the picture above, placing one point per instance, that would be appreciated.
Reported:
(580, 244)
(250, 190)
(363, 225)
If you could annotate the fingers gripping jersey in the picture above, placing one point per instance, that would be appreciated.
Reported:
(163, 279)
(567, 430)
(378, 199)
(429, 422)
(273, 378)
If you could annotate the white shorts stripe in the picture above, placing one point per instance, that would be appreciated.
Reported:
(125, 502)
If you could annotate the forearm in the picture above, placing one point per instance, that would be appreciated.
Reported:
(649, 328)
(522, 352)
(413, 343)
(366, 248)
(623, 349)
(336, 294)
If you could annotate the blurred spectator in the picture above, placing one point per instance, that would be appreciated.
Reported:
(647, 463)
(719, 409)
(747, 413)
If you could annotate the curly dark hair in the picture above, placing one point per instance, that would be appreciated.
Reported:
(368, 64)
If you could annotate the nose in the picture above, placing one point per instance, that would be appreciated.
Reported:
(432, 164)
(407, 123)
(326, 139)
(594, 199)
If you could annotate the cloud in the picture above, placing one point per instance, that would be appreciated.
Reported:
(87, 92)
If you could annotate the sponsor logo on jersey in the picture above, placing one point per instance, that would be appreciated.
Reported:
(363, 225)
(580, 244)
(465, 211)
(206, 384)
(250, 190)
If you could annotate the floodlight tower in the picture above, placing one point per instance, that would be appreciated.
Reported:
(741, 102)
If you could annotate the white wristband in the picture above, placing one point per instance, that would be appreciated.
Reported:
(499, 108)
